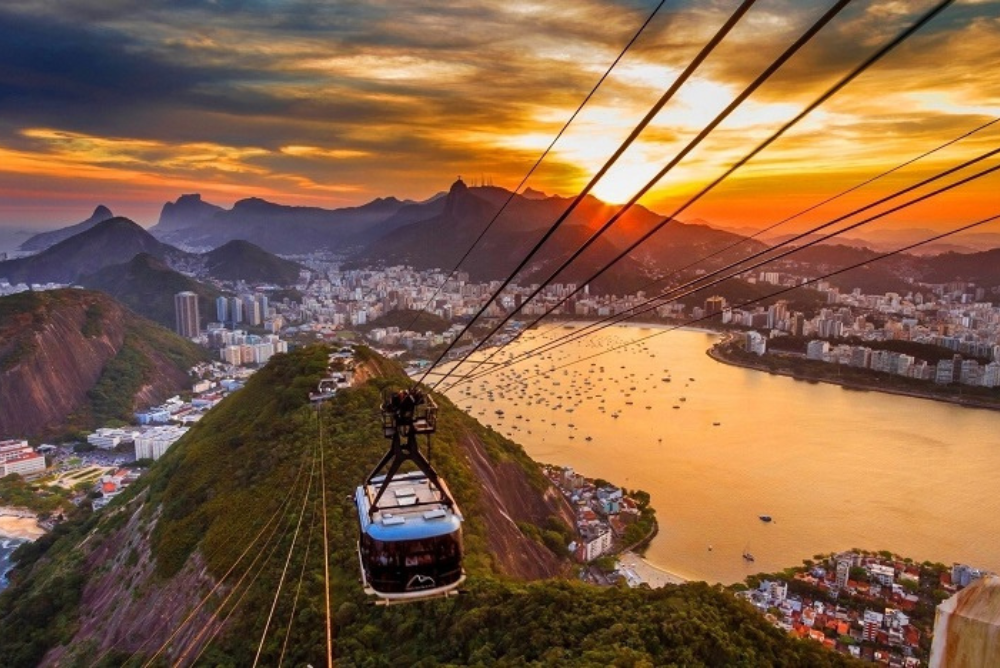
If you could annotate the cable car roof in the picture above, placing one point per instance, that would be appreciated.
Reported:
(410, 509)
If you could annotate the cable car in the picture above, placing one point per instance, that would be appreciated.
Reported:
(410, 544)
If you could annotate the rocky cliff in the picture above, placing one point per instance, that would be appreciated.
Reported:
(63, 355)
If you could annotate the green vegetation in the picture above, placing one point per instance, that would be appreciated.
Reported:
(123, 376)
(147, 286)
(241, 260)
(149, 354)
(93, 324)
(113, 396)
(417, 321)
(36, 617)
(15, 491)
(228, 480)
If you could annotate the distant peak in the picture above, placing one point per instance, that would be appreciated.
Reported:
(458, 187)
(193, 197)
(102, 212)
(253, 203)
(531, 193)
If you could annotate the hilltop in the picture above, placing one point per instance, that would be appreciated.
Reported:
(71, 359)
(242, 260)
(119, 582)
(43, 240)
(147, 286)
(109, 242)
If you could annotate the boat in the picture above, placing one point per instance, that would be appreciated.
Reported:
(747, 556)
(765, 518)
(716, 424)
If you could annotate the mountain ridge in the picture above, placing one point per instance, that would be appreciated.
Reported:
(43, 240)
(74, 358)
(109, 242)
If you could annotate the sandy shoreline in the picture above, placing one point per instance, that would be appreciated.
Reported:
(22, 528)
(638, 570)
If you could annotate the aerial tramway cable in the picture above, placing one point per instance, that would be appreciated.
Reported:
(681, 79)
(871, 60)
(930, 195)
(539, 161)
(326, 543)
(693, 321)
(298, 587)
(282, 507)
(678, 291)
(288, 560)
(773, 226)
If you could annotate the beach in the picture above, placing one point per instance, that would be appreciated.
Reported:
(637, 570)
(21, 528)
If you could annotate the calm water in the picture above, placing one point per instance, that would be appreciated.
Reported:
(835, 468)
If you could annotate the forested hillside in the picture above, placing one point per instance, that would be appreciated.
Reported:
(218, 554)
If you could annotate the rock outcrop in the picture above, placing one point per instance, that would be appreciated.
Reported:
(56, 345)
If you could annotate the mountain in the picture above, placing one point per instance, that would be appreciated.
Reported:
(187, 564)
(187, 211)
(147, 286)
(982, 268)
(276, 227)
(242, 260)
(467, 212)
(72, 359)
(109, 242)
(44, 240)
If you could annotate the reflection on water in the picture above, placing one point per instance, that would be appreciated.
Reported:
(718, 446)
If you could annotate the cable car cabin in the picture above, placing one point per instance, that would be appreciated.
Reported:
(411, 545)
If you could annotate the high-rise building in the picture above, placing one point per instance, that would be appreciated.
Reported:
(222, 309)
(186, 306)
(714, 305)
(236, 310)
(252, 312)
(843, 573)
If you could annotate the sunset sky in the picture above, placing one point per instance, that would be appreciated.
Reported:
(132, 103)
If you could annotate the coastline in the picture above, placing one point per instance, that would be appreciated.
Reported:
(856, 387)
(639, 570)
(20, 528)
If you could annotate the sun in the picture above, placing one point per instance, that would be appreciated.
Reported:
(624, 180)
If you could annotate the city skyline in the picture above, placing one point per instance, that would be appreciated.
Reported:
(133, 104)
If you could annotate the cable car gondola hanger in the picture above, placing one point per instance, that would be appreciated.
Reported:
(410, 544)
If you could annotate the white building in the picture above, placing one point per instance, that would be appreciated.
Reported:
(16, 456)
(108, 439)
(596, 546)
(817, 349)
(154, 442)
(13, 449)
(756, 343)
(884, 575)
(23, 464)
